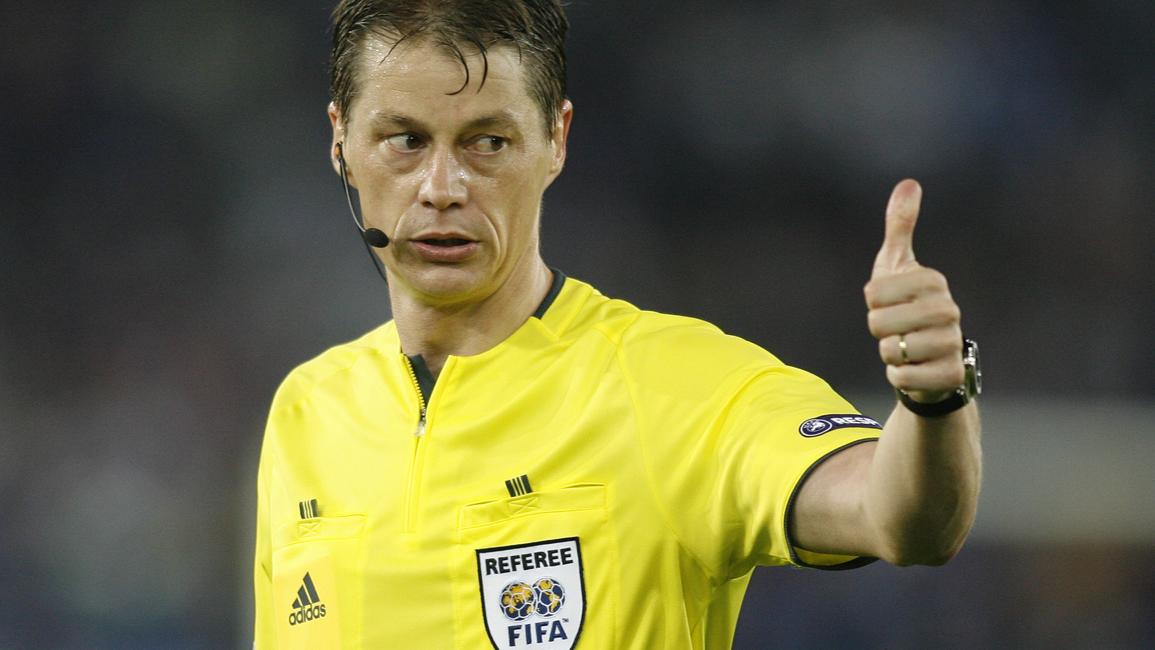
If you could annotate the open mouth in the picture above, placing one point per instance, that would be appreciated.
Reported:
(445, 242)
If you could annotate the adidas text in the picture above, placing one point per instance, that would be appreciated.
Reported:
(306, 614)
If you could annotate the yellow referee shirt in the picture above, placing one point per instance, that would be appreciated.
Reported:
(606, 478)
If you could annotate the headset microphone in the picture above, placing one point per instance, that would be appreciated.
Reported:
(372, 236)
(375, 238)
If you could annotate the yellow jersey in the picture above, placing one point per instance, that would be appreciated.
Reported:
(605, 478)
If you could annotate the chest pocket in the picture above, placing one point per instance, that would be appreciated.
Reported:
(316, 589)
(537, 571)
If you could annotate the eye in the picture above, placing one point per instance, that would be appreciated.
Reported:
(489, 144)
(404, 142)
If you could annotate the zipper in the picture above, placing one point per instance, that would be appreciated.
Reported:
(415, 461)
(420, 398)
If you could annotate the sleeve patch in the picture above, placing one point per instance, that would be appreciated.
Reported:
(815, 427)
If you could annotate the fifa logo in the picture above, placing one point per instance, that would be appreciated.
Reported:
(533, 595)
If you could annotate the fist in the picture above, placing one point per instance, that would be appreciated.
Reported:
(910, 310)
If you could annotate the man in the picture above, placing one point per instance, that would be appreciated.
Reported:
(517, 461)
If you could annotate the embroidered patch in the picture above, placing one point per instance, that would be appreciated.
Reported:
(817, 426)
(533, 595)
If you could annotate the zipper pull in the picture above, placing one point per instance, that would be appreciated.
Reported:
(420, 425)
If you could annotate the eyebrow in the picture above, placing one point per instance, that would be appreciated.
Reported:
(503, 118)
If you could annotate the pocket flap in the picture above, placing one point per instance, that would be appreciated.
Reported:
(316, 528)
(589, 496)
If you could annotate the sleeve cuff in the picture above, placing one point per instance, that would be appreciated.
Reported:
(826, 561)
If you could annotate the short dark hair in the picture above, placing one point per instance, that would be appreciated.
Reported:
(537, 28)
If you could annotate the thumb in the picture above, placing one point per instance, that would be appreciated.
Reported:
(897, 250)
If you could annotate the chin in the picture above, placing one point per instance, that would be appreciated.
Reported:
(446, 283)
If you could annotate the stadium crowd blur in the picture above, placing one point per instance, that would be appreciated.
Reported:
(173, 241)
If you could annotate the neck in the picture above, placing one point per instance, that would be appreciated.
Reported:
(464, 329)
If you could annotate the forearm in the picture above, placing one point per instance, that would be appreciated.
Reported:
(911, 497)
(923, 485)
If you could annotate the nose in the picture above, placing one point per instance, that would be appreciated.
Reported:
(444, 184)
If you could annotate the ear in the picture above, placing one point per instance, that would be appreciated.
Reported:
(337, 121)
(559, 137)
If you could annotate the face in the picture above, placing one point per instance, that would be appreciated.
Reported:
(455, 180)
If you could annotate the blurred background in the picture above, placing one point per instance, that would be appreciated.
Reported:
(173, 241)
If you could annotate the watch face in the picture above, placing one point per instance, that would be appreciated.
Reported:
(974, 373)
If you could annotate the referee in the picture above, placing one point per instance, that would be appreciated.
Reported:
(516, 460)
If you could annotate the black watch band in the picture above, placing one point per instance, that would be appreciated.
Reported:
(956, 401)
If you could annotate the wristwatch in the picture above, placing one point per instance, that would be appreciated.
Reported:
(971, 388)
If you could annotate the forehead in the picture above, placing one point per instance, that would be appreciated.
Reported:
(426, 81)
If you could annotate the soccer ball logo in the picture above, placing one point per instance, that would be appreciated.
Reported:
(517, 601)
(550, 596)
(545, 598)
(815, 427)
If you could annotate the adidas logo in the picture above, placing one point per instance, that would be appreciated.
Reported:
(307, 606)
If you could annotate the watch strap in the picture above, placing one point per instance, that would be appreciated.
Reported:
(956, 401)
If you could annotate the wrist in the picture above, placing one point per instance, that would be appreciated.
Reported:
(946, 403)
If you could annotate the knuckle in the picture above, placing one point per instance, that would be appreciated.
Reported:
(955, 312)
(947, 311)
(954, 340)
(932, 281)
(949, 344)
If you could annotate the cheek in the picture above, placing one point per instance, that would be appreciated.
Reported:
(387, 192)
(522, 199)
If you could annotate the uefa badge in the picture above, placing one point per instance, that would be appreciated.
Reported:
(533, 595)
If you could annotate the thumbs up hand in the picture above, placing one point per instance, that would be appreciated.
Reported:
(910, 309)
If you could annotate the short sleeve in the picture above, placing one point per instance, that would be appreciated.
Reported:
(729, 433)
(779, 426)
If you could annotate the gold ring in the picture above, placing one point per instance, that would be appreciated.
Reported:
(902, 348)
